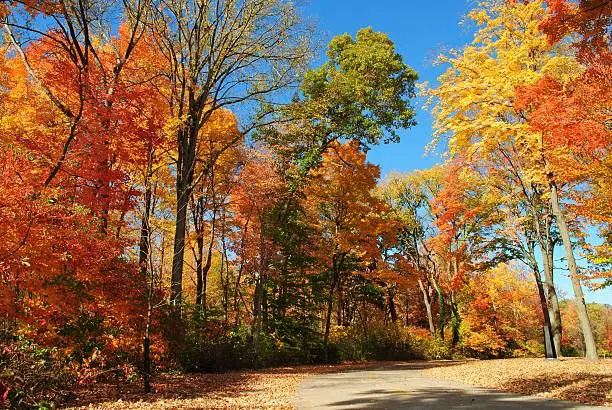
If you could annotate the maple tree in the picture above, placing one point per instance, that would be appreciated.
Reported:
(572, 113)
(589, 18)
(501, 310)
(410, 196)
(64, 267)
(258, 192)
(347, 216)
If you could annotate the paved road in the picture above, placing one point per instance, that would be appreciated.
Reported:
(403, 386)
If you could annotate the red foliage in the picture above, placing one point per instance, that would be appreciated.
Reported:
(591, 19)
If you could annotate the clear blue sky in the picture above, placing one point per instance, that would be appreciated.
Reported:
(420, 30)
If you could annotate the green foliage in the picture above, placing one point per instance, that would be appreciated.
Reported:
(395, 342)
(33, 377)
(530, 348)
(207, 347)
(361, 93)
(86, 331)
(364, 87)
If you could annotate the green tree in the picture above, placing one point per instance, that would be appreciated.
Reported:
(361, 93)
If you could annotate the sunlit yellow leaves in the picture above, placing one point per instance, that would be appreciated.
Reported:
(564, 69)
(474, 105)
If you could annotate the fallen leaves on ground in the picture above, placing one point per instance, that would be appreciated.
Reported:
(565, 379)
(245, 389)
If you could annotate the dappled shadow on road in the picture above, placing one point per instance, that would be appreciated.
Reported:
(582, 387)
(442, 398)
(421, 365)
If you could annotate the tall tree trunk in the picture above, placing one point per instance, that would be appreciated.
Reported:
(543, 300)
(441, 308)
(427, 302)
(224, 274)
(257, 304)
(392, 309)
(554, 312)
(180, 228)
(238, 276)
(185, 165)
(259, 292)
(585, 322)
(143, 264)
(146, 354)
(330, 302)
(145, 230)
(545, 311)
(202, 268)
(200, 281)
(455, 320)
(546, 244)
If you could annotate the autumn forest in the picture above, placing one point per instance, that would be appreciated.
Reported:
(185, 187)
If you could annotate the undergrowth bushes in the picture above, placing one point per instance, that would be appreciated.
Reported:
(31, 376)
(395, 342)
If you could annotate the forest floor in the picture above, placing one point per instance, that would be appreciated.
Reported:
(568, 379)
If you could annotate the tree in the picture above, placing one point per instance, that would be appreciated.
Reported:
(83, 65)
(362, 93)
(219, 54)
(572, 113)
(590, 19)
(260, 189)
(501, 311)
(410, 198)
(466, 242)
(347, 217)
(220, 151)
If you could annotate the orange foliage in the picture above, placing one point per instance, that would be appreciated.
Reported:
(344, 212)
(63, 269)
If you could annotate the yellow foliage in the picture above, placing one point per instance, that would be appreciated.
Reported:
(474, 105)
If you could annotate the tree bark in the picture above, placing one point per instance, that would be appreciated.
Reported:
(185, 167)
(147, 345)
(180, 227)
(143, 263)
(258, 297)
(427, 302)
(455, 320)
(545, 311)
(441, 310)
(585, 322)
(330, 301)
(392, 309)
(554, 312)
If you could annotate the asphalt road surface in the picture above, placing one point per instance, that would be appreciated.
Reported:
(403, 386)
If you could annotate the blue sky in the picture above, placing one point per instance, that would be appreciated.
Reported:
(420, 31)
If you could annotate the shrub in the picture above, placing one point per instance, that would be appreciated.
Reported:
(207, 347)
(31, 376)
(530, 348)
(396, 342)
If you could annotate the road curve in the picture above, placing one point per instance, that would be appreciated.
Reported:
(403, 386)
